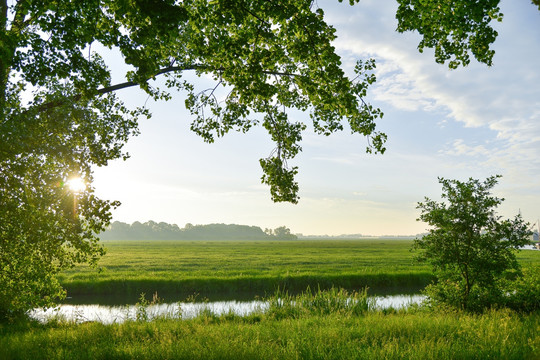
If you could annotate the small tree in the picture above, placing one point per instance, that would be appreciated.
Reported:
(284, 233)
(471, 249)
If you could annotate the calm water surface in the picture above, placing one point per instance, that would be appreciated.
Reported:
(118, 314)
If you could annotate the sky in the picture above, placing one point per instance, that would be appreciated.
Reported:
(473, 122)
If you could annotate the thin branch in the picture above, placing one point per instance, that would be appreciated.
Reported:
(212, 91)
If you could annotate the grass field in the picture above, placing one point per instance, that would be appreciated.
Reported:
(322, 325)
(241, 269)
(246, 268)
(288, 334)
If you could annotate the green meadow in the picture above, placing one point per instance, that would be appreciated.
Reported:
(319, 324)
(244, 269)
(247, 268)
(306, 328)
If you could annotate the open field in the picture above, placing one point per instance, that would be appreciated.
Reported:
(236, 268)
(325, 325)
(245, 268)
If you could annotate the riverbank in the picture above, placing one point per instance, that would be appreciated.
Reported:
(117, 292)
(411, 334)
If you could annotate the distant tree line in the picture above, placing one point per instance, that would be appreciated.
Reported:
(152, 230)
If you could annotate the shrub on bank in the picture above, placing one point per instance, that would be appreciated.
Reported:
(524, 292)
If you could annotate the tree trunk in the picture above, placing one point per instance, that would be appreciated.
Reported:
(4, 56)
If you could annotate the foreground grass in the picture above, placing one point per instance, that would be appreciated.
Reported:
(498, 334)
(252, 267)
(324, 324)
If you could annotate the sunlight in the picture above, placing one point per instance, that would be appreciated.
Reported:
(76, 184)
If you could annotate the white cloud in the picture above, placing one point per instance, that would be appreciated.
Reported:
(502, 100)
(399, 90)
(460, 148)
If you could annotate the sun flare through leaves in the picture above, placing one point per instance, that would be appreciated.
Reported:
(76, 184)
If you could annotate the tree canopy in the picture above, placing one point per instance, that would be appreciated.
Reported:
(269, 56)
(60, 116)
(455, 29)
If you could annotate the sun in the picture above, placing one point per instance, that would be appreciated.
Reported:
(76, 184)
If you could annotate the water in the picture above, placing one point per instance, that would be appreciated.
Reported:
(118, 314)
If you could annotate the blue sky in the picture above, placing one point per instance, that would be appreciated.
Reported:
(471, 122)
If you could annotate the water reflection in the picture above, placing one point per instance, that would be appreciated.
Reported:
(118, 314)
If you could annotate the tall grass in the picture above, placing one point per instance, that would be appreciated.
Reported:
(317, 303)
(321, 326)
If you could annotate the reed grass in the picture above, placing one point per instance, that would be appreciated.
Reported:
(316, 303)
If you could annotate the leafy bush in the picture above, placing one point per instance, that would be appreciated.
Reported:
(471, 249)
(524, 292)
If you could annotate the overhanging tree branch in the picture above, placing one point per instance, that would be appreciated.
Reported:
(105, 90)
